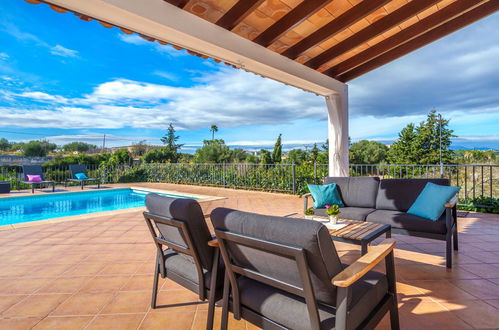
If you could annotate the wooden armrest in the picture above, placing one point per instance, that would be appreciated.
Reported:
(213, 243)
(364, 264)
(452, 202)
(206, 216)
(306, 195)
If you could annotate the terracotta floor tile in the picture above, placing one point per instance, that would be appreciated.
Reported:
(64, 285)
(128, 302)
(8, 301)
(83, 304)
(139, 283)
(85, 269)
(428, 315)
(480, 288)
(19, 323)
(105, 283)
(483, 270)
(442, 290)
(63, 322)
(122, 321)
(165, 321)
(120, 269)
(233, 324)
(36, 305)
(477, 313)
(176, 300)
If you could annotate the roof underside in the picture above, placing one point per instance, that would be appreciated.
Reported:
(341, 38)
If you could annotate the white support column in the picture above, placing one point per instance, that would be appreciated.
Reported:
(337, 106)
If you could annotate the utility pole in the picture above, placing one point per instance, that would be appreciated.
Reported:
(104, 143)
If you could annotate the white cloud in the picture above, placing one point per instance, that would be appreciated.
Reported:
(44, 97)
(165, 75)
(4, 56)
(63, 51)
(136, 40)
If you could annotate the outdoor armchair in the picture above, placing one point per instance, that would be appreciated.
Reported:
(179, 225)
(36, 170)
(284, 273)
(80, 168)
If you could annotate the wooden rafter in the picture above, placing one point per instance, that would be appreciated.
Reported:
(339, 24)
(237, 13)
(384, 24)
(178, 3)
(440, 17)
(296, 16)
(457, 23)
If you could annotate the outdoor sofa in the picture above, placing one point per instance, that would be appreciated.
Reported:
(77, 169)
(285, 273)
(35, 170)
(387, 201)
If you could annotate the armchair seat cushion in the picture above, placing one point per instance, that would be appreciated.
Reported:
(291, 311)
(183, 266)
(402, 220)
(351, 213)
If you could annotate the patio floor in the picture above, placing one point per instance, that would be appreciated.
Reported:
(96, 273)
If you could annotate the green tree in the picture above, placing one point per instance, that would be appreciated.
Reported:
(38, 148)
(297, 156)
(368, 152)
(265, 157)
(252, 159)
(421, 144)
(4, 144)
(78, 147)
(238, 155)
(120, 156)
(404, 150)
(213, 129)
(314, 153)
(213, 151)
(277, 152)
(139, 149)
(170, 139)
(162, 155)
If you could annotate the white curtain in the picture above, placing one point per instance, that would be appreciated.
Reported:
(337, 105)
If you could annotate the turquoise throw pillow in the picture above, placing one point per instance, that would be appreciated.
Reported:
(325, 195)
(81, 176)
(431, 200)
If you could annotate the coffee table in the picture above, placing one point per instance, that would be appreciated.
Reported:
(355, 232)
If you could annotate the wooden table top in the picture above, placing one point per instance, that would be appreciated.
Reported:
(355, 230)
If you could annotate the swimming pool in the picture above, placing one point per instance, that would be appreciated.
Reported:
(39, 207)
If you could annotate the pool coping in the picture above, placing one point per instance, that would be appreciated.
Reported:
(200, 199)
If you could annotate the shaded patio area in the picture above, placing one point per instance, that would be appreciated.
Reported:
(96, 273)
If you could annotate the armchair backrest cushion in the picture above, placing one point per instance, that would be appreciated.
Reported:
(312, 236)
(400, 194)
(189, 211)
(356, 191)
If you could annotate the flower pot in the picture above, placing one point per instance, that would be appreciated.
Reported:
(333, 219)
(309, 217)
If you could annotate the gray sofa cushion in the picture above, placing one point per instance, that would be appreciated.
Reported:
(407, 221)
(352, 213)
(312, 236)
(189, 211)
(291, 311)
(400, 194)
(356, 191)
(183, 265)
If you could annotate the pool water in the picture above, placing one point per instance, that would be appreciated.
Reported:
(39, 207)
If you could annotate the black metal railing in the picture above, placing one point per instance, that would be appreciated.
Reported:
(475, 180)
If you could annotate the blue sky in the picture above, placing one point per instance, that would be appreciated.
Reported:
(68, 80)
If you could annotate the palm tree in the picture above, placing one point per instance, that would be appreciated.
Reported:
(213, 129)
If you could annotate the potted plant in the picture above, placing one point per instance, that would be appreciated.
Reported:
(333, 212)
(309, 213)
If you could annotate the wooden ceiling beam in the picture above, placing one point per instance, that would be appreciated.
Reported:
(296, 16)
(237, 13)
(337, 25)
(382, 25)
(440, 17)
(451, 26)
(178, 3)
